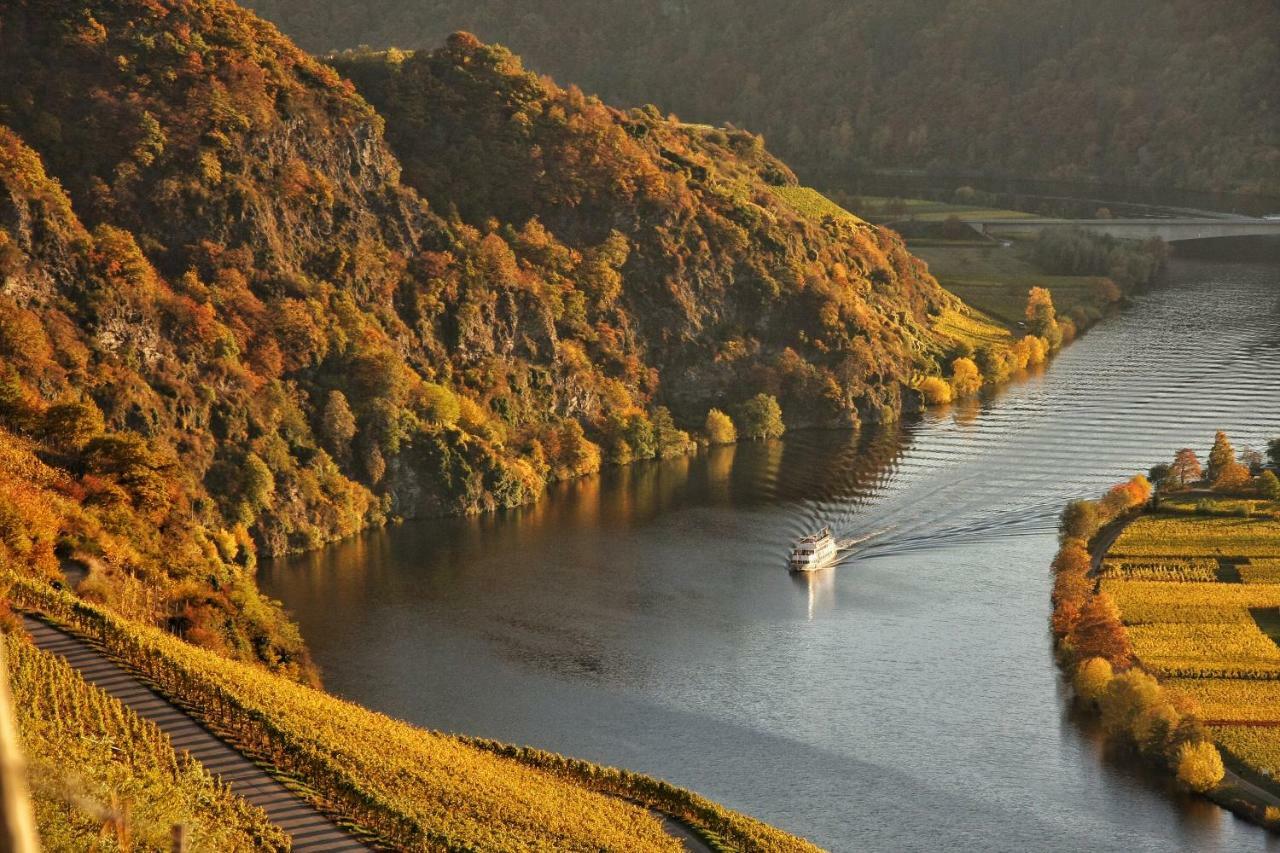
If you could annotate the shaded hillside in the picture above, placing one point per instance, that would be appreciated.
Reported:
(228, 327)
(1139, 91)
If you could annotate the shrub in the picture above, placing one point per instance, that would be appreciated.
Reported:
(935, 390)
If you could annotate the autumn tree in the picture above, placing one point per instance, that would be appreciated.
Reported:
(1232, 478)
(1042, 318)
(69, 426)
(761, 417)
(1124, 700)
(965, 377)
(1099, 632)
(1185, 468)
(1079, 520)
(935, 390)
(337, 425)
(719, 428)
(1222, 455)
(1091, 679)
(1200, 765)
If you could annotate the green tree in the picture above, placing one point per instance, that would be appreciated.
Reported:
(1273, 451)
(671, 441)
(719, 428)
(640, 437)
(439, 404)
(259, 483)
(761, 417)
(1269, 485)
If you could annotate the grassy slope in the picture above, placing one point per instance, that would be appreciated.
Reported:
(94, 762)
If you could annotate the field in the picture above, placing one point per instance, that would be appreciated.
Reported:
(1189, 535)
(879, 209)
(810, 202)
(973, 327)
(995, 279)
(94, 762)
(1198, 588)
(416, 789)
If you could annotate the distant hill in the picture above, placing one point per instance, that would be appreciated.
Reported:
(1175, 94)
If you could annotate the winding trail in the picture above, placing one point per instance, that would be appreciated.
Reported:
(308, 828)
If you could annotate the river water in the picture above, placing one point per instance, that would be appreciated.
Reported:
(906, 700)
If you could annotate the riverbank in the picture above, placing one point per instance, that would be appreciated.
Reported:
(643, 618)
(1168, 634)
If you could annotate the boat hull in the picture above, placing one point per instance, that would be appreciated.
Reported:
(805, 568)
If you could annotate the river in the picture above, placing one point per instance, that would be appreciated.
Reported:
(906, 700)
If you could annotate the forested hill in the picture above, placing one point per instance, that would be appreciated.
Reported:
(234, 319)
(1175, 93)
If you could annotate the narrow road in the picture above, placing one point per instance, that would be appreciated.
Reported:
(307, 826)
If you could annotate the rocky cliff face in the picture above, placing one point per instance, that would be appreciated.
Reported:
(726, 283)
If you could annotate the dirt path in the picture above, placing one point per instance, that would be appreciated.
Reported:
(309, 829)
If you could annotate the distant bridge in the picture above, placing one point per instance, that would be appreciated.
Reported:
(1169, 230)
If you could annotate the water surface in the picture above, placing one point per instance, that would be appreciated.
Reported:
(906, 700)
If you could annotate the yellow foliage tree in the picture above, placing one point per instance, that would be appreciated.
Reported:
(1200, 765)
(1092, 678)
(720, 428)
(966, 379)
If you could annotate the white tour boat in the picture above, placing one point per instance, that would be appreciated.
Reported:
(813, 552)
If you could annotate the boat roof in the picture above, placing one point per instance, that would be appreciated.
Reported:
(824, 533)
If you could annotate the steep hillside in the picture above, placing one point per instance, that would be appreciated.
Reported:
(1138, 91)
(228, 327)
(727, 280)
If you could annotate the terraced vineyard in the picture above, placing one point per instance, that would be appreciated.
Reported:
(1198, 589)
(104, 779)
